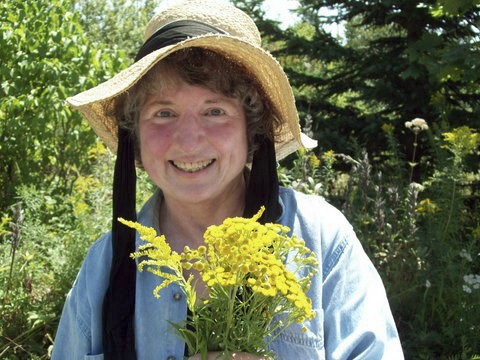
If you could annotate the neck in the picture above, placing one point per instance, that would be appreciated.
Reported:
(185, 223)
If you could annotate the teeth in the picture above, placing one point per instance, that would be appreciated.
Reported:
(192, 166)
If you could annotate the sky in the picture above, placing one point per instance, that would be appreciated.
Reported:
(275, 10)
(280, 10)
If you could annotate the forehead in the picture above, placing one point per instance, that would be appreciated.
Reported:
(159, 78)
(184, 94)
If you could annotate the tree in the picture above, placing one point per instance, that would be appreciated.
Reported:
(400, 60)
(116, 24)
(45, 58)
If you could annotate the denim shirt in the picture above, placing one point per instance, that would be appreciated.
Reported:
(353, 318)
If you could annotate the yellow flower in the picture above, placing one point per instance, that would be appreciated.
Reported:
(202, 250)
(462, 140)
(388, 128)
(198, 266)
(426, 206)
(314, 161)
(329, 156)
(243, 264)
(96, 151)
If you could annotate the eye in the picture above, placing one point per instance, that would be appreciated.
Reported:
(215, 112)
(164, 113)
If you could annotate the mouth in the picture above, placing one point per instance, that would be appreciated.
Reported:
(192, 167)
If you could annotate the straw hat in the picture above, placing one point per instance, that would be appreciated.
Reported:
(238, 39)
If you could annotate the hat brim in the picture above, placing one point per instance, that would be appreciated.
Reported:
(93, 103)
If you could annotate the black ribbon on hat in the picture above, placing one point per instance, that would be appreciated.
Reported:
(119, 299)
(174, 33)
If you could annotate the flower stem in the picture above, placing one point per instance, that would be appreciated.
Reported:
(231, 303)
(412, 164)
(450, 210)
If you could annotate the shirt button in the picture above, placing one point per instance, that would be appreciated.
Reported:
(171, 357)
(177, 297)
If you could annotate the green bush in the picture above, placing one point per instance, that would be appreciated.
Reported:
(43, 241)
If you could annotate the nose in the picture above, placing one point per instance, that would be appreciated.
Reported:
(189, 132)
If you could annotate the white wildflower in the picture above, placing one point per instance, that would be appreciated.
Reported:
(417, 125)
(466, 255)
(416, 187)
(472, 281)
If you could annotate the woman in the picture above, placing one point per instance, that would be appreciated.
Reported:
(207, 112)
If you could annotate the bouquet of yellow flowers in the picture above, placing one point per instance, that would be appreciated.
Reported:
(257, 278)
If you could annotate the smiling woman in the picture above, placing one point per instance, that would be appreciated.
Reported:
(207, 112)
(193, 140)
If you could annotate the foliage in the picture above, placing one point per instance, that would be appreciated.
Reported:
(44, 239)
(47, 155)
(54, 236)
(252, 298)
(413, 198)
(424, 238)
(451, 245)
(398, 60)
(310, 174)
(45, 58)
(118, 25)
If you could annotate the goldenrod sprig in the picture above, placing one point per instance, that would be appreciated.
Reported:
(159, 258)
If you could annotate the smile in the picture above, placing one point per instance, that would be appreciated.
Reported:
(192, 166)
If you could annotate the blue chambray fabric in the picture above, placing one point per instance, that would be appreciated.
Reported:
(353, 319)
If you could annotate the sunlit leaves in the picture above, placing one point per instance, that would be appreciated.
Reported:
(45, 58)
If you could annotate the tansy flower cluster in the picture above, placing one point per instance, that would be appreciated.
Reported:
(257, 279)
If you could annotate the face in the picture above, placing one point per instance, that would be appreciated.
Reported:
(193, 143)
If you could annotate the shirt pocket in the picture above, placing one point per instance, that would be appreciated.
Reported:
(293, 343)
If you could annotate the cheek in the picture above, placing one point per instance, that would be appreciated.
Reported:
(236, 144)
(153, 141)
(242, 146)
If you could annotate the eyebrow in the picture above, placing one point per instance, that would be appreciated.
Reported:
(217, 100)
(222, 99)
(209, 101)
(160, 102)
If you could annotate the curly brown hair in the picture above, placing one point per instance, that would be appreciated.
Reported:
(198, 66)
